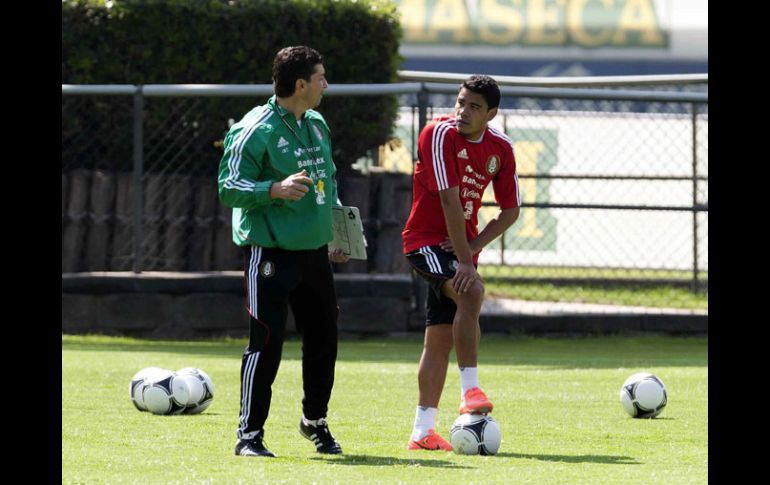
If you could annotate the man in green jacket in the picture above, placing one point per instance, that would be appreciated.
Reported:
(278, 176)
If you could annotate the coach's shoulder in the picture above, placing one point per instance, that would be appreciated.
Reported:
(261, 118)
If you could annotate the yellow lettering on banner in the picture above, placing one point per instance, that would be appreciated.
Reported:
(451, 16)
(527, 153)
(546, 22)
(500, 24)
(638, 16)
(414, 21)
(576, 25)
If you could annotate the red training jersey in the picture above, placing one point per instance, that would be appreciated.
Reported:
(447, 159)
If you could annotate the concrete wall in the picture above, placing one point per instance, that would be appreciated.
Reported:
(199, 305)
(202, 305)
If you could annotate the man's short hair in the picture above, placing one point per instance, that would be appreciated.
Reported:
(485, 86)
(292, 63)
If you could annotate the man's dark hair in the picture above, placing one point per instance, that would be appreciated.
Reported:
(292, 63)
(485, 86)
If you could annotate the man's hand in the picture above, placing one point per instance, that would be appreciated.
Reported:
(337, 256)
(465, 276)
(293, 187)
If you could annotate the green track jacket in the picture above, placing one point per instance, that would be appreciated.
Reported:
(267, 146)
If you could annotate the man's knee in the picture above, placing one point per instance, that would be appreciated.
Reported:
(473, 297)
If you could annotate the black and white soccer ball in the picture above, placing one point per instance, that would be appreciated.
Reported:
(137, 383)
(165, 393)
(475, 434)
(643, 395)
(201, 389)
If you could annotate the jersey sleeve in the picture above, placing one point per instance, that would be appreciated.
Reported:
(436, 148)
(240, 168)
(506, 182)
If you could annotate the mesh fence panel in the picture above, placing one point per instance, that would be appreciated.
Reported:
(608, 189)
(184, 228)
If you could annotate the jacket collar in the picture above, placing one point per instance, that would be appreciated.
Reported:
(282, 112)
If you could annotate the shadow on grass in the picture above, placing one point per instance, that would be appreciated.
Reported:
(371, 460)
(606, 459)
(567, 352)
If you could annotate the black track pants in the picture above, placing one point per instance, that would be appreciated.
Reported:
(276, 279)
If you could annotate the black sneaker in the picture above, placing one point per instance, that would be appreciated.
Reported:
(321, 436)
(252, 447)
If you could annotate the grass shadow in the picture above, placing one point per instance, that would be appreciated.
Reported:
(606, 459)
(371, 460)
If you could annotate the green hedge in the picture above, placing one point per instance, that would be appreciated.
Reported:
(225, 42)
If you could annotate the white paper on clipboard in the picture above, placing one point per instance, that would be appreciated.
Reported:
(348, 232)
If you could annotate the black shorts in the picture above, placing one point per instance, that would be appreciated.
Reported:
(435, 266)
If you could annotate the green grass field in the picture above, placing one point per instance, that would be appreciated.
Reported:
(603, 288)
(556, 401)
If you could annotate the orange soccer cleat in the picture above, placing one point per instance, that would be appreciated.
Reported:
(431, 441)
(476, 402)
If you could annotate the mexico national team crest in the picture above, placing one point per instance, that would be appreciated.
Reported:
(267, 269)
(493, 164)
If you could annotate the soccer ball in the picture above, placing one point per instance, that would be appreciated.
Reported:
(136, 384)
(165, 393)
(475, 434)
(201, 389)
(643, 395)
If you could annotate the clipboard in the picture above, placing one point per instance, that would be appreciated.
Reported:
(348, 232)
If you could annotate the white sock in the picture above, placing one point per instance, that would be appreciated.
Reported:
(424, 419)
(469, 378)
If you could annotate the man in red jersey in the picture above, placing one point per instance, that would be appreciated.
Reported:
(458, 156)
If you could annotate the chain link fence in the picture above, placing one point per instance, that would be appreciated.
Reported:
(615, 196)
(183, 227)
(615, 190)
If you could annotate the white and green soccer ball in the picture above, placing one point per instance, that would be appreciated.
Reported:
(643, 395)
